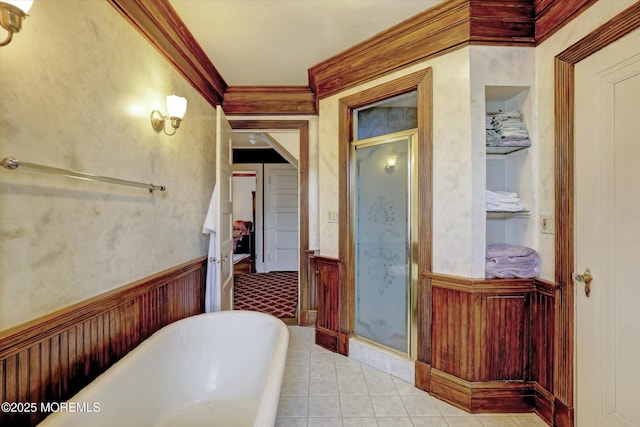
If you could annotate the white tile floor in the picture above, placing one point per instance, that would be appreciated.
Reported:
(323, 389)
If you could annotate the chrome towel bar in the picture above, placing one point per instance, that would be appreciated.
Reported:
(12, 164)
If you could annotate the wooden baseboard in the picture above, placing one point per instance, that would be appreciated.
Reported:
(563, 415)
(544, 404)
(327, 338)
(51, 358)
(423, 376)
(343, 344)
(483, 397)
(308, 317)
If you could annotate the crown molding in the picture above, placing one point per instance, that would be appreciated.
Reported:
(159, 23)
(269, 100)
(443, 28)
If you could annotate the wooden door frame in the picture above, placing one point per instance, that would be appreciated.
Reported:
(422, 81)
(616, 28)
(304, 298)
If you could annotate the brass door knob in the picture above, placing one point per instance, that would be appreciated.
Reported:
(585, 278)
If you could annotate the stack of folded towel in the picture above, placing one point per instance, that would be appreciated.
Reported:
(503, 201)
(506, 129)
(510, 261)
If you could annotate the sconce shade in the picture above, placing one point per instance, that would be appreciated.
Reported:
(24, 5)
(176, 106)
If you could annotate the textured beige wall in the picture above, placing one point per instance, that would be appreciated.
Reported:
(452, 163)
(596, 15)
(77, 85)
(459, 152)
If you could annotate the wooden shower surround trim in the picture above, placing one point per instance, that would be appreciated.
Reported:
(306, 301)
(422, 81)
(619, 26)
(51, 358)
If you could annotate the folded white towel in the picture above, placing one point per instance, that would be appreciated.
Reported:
(499, 194)
(503, 201)
(506, 129)
(506, 207)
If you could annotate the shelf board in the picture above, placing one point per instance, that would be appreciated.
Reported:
(503, 150)
(507, 214)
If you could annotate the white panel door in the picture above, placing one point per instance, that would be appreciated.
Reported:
(224, 239)
(281, 218)
(607, 232)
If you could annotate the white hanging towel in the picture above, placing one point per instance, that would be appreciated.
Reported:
(212, 289)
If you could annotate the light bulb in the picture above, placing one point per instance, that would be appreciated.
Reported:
(176, 106)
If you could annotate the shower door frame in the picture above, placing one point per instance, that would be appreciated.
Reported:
(422, 81)
(411, 136)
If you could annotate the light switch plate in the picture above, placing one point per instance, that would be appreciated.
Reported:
(547, 224)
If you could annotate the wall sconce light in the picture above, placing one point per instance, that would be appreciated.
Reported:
(12, 12)
(176, 107)
(390, 166)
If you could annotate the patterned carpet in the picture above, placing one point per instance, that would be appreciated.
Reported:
(275, 293)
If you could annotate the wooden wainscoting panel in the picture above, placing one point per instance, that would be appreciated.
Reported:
(51, 358)
(508, 338)
(454, 343)
(481, 342)
(543, 327)
(328, 321)
(309, 294)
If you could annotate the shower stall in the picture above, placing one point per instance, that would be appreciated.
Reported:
(384, 244)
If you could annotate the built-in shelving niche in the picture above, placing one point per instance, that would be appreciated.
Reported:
(509, 169)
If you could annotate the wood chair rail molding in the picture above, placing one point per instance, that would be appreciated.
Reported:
(51, 358)
(619, 26)
(448, 26)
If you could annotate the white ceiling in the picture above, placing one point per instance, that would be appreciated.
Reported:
(275, 42)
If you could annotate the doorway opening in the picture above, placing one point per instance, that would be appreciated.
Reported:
(384, 212)
(273, 282)
(352, 112)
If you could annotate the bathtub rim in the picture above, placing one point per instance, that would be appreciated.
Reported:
(267, 407)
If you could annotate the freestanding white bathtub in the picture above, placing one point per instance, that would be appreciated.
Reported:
(217, 369)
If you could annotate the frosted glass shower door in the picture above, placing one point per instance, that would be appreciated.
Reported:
(382, 243)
